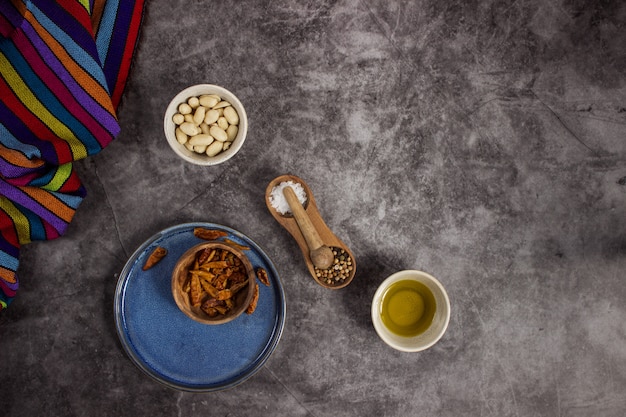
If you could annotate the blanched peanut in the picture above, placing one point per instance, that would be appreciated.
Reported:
(178, 118)
(209, 100)
(193, 102)
(222, 123)
(218, 133)
(181, 137)
(211, 116)
(221, 104)
(206, 124)
(201, 139)
(231, 115)
(184, 108)
(231, 132)
(198, 116)
(214, 148)
(189, 129)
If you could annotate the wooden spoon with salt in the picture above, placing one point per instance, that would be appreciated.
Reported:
(306, 226)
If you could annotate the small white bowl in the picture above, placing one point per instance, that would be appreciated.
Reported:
(440, 320)
(193, 157)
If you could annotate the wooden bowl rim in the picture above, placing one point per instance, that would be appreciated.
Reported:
(182, 301)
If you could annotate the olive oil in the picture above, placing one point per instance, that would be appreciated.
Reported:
(407, 308)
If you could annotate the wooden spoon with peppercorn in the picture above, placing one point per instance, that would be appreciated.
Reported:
(319, 245)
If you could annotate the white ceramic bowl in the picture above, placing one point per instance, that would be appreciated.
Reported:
(440, 320)
(193, 157)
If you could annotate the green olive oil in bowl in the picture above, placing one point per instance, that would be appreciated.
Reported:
(407, 308)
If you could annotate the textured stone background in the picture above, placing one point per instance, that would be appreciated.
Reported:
(481, 141)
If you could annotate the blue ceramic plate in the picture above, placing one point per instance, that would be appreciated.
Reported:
(178, 351)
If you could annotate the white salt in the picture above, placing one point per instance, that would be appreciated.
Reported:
(278, 200)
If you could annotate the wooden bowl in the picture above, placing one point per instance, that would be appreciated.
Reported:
(180, 276)
(289, 223)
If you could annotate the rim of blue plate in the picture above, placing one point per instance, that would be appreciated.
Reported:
(125, 315)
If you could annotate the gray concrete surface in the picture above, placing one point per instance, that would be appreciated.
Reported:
(483, 142)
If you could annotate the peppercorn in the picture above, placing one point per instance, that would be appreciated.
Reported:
(339, 271)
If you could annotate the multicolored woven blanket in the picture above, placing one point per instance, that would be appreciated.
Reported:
(63, 68)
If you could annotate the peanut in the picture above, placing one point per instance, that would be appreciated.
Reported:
(189, 129)
(214, 148)
(201, 139)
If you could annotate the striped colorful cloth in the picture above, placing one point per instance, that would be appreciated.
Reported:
(63, 68)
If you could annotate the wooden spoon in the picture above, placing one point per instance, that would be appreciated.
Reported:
(289, 222)
(321, 255)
